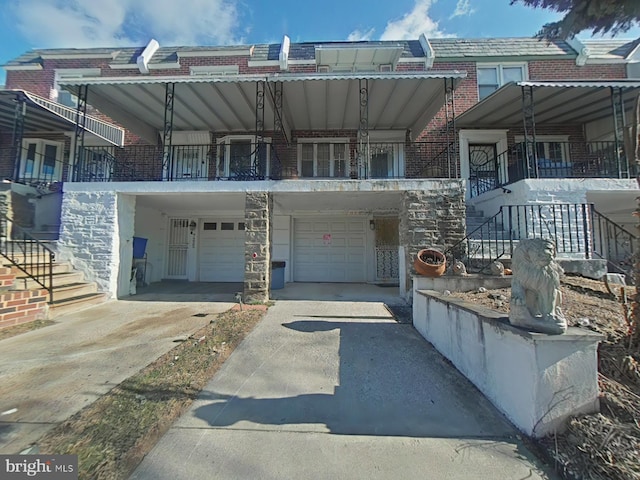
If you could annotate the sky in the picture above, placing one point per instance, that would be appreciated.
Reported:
(28, 24)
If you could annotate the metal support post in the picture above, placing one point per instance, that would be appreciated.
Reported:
(619, 125)
(18, 133)
(167, 132)
(530, 151)
(363, 129)
(450, 127)
(78, 142)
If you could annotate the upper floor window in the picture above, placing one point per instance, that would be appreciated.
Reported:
(326, 159)
(62, 96)
(241, 158)
(41, 160)
(492, 77)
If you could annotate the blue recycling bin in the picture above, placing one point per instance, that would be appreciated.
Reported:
(139, 247)
(277, 275)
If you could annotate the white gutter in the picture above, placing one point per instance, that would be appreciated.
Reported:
(145, 57)
(582, 50)
(429, 53)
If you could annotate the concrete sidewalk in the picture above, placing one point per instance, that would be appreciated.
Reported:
(327, 390)
(48, 374)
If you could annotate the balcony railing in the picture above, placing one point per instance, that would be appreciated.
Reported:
(563, 160)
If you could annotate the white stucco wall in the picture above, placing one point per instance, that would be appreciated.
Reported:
(47, 212)
(123, 243)
(90, 237)
(152, 224)
(552, 190)
(536, 380)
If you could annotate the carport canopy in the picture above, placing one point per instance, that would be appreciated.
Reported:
(43, 115)
(310, 101)
(554, 103)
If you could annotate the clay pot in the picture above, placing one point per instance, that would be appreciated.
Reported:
(430, 263)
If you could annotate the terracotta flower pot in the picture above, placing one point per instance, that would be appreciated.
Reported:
(430, 263)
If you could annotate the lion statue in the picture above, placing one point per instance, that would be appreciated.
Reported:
(535, 288)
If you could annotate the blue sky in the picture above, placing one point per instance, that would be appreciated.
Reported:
(27, 24)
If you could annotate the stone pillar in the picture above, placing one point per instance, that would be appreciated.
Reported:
(431, 218)
(257, 251)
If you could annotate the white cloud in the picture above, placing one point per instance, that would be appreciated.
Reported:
(413, 23)
(358, 35)
(463, 8)
(91, 23)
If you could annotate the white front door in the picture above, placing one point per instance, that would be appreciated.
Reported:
(329, 249)
(221, 257)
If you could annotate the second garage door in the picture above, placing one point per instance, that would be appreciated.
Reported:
(329, 250)
(221, 257)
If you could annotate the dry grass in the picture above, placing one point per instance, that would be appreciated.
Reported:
(112, 435)
(23, 328)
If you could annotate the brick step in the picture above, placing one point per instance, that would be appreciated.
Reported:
(64, 292)
(59, 279)
(72, 304)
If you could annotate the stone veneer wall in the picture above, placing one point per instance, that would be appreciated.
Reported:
(257, 266)
(432, 218)
(89, 235)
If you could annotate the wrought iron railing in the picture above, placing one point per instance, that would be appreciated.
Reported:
(613, 243)
(568, 225)
(27, 253)
(39, 164)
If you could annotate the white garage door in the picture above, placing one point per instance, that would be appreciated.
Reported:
(329, 250)
(221, 257)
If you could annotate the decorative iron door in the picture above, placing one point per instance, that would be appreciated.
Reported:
(179, 236)
(483, 168)
(387, 241)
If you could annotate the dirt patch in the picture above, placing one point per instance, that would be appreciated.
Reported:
(604, 445)
(112, 435)
(23, 328)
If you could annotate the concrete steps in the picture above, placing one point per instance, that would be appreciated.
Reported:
(70, 290)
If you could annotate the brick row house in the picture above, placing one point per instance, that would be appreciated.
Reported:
(342, 159)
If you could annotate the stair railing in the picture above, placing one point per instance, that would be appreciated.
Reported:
(27, 253)
(568, 225)
(613, 243)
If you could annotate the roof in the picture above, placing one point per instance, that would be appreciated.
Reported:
(42, 115)
(397, 101)
(555, 103)
(610, 49)
(499, 47)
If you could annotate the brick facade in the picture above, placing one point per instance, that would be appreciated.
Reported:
(19, 306)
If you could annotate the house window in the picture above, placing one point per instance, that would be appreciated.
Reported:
(41, 161)
(323, 159)
(492, 77)
(64, 97)
(241, 158)
(553, 155)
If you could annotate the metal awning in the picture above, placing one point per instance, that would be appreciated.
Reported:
(42, 115)
(555, 103)
(310, 101)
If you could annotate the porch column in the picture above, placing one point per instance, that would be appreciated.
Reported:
(619, 124)
(78, 141)
(280, 136)
(363, 129)
(531, 153)
(18, 133)
(167, 132)
(257, 246)
(450, 126)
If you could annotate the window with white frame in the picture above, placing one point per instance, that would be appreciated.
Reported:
(64, 97)
(41, 160)
(492, 76)
(239, 156)
(323, 159)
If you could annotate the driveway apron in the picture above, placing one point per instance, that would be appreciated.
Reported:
(326, 390)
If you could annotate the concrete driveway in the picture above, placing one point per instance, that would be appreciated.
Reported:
(47, 375)
(326, 390)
